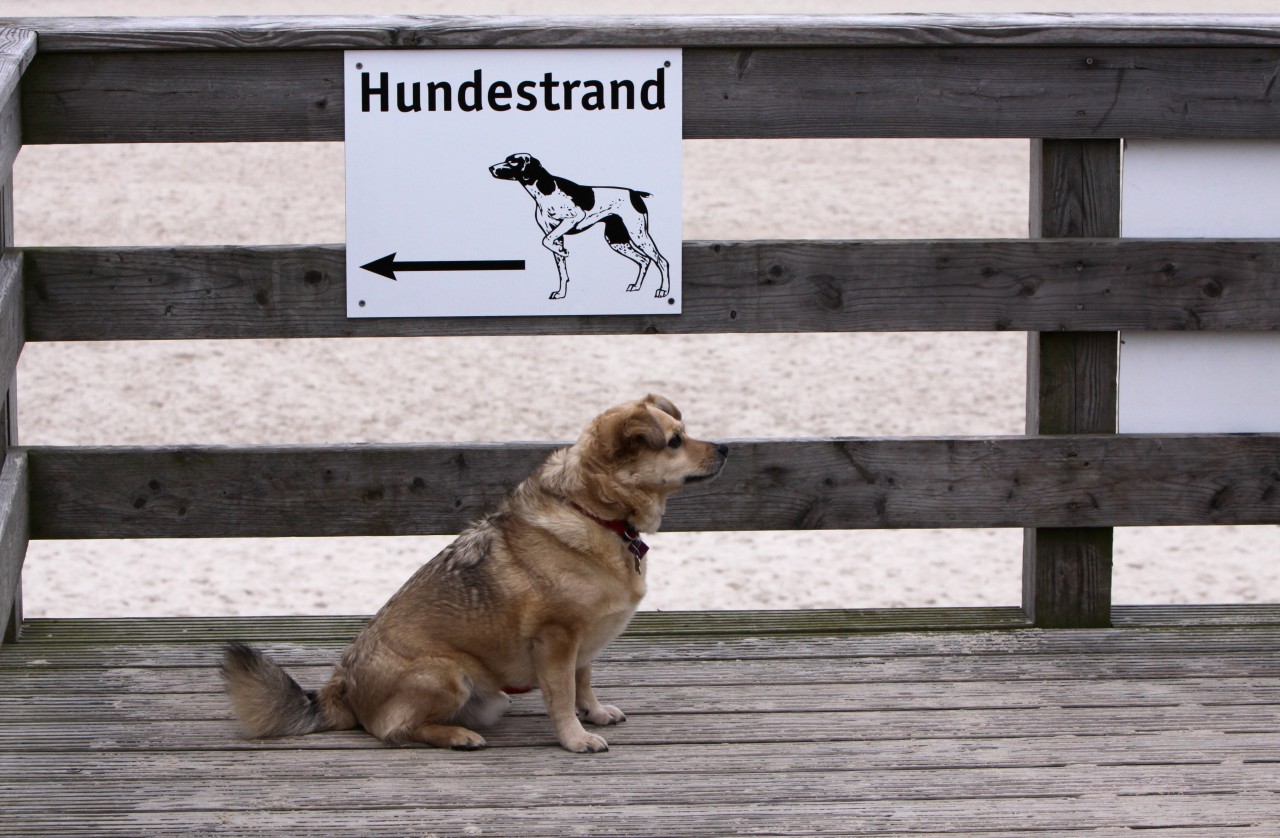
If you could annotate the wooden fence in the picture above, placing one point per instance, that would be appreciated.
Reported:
(1075, 86)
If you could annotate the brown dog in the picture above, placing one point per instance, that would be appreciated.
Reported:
(525, 597)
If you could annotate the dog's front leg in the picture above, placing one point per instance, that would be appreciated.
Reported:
(590, 707)
(555, 653)
(562, 269)
(554, 238)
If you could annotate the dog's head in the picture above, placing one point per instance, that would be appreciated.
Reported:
(523, 168)
(633, 456)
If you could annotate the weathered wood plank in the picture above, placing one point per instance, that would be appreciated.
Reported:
(79, 34)
(1174, 748)
(748, 698)
(729, 287)
(673, 728)
(17, 49)
(1148, 616)
(1071, 381)
(1130, 480)
(949, 91)
(10, 133)
(634, 647)
(452, 793)
(12, 318)
(629, 649)
(14, 533)
(645, 624)
(996, 818)
(624, 678)
(12, 336)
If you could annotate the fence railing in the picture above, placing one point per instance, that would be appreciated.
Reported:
(1074, 86)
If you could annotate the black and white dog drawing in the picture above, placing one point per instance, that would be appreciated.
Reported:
(563, 207)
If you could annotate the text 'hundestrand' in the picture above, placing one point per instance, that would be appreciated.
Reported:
(549, 94)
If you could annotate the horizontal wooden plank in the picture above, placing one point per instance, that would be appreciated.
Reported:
(672, 728)
(45, 632)
(729, 287)
(1252, 813)
(748, 698)
(946, 91)
(621, 678)
(14, 527)
(1054, 481)
(79, 631)
(453, 793)
(633, 648)
(79, 34)
(728, 760)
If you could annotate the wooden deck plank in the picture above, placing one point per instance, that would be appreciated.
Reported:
(631, 649)
(524, 731)
(1158, 748)
(179, 630)
(666, 624)
(551, 789)
(1073, 667)
(121, 707)
(1207, 812)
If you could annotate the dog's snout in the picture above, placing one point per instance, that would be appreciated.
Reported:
(722, 450)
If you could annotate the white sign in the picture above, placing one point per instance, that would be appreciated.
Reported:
(513, 182)
(1192, 382)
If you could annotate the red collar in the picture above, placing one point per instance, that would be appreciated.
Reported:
(624, 530)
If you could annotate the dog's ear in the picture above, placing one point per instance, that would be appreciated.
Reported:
(664, 404)
(641, 428)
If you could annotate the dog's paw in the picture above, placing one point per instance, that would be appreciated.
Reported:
(604, 714)
(635, 286)
(584, 743)
(661, 292)
(474, 742)
(556, 295)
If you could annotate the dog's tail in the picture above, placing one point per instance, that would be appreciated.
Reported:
(270, 703)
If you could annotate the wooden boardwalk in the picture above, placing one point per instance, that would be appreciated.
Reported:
(817, 723)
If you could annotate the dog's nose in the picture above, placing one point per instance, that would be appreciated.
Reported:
(722, 450)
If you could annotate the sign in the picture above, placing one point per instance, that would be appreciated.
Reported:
(1200, 382)
(513, 182)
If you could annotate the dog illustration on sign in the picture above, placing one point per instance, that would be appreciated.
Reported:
(565, 208)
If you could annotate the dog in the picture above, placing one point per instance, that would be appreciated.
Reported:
(565, 208)
(524, 598)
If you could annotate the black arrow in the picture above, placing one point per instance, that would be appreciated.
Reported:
(387, 265)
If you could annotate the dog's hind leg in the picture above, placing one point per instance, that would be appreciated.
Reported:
(633, 253)
(616, 234)
(650, 251)
(423, 710)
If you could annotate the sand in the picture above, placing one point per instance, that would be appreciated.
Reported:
(465, 389)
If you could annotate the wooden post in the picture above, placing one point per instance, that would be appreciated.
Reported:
(12, 625)
(1071, 381)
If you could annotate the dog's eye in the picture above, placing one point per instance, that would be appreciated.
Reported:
(675, 441)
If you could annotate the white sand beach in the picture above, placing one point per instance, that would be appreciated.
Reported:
(546, 388)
